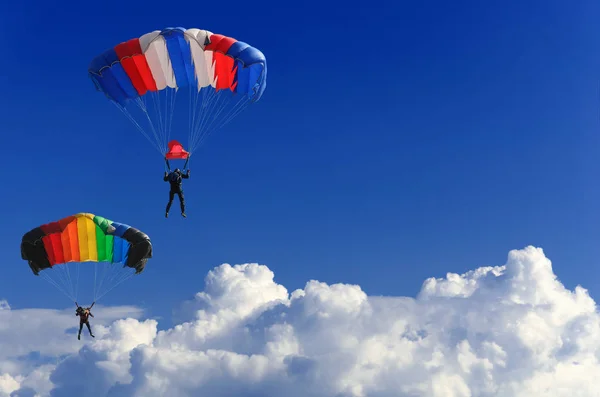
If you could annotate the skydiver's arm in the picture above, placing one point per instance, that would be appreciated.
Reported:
(166, 177)
(186, 175)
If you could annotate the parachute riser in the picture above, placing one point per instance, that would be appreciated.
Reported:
(185, 165)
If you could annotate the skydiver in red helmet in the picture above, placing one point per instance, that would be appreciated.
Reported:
(175, 179)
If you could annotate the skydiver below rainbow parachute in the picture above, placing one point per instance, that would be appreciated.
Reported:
(175, 178)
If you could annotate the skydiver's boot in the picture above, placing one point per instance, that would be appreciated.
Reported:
(166, 214)
(184, 215)
(79, 336)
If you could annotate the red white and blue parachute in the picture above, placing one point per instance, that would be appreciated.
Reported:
(144, 75)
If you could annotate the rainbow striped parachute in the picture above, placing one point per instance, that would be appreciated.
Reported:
(144, 76)
(82, 238)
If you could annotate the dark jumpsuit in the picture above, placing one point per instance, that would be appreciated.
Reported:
(175, 179)
(83, 319)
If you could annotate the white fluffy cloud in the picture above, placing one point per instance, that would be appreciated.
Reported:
(511, 330)
(34, 341)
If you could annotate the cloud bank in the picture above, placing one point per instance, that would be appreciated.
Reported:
(511, 330)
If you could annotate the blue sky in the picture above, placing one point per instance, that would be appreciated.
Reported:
(393, 143)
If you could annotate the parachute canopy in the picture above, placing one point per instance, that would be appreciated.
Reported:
(223, 75)
(85, 237)
(176, 151)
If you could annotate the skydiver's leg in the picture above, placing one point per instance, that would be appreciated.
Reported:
(171, 196)
(80, 327)
(89, 328)
(181, 201)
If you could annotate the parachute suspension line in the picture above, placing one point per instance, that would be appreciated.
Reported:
(144, 108)
(217, 122)
(119, 277)
(56, 285)
(198, 118)
(61, 278)
(71, 284)
(163, 120)
(58, 278)
(239, 107)
(130, 117)
(229, 115)
(158, 122)
(195, 120)
(62, 273)
(208, 105)
(211, 105)
(98, 287)
(95, 278)
(52, 282)
(155, 125)
(112, 276)
(77, 281)
(170, 115)
(165, 60)
(191, 115)
(209, 110)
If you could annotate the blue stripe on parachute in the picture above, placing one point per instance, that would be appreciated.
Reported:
(109, 76)
(252, 78)
(120, 229)
(118, 250)
(180, 54)
(125, 251)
